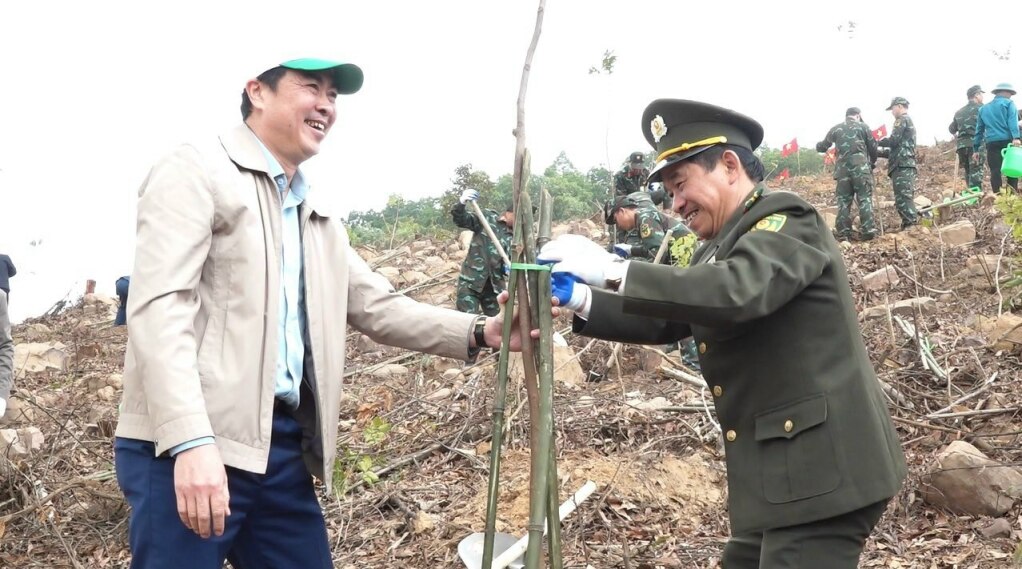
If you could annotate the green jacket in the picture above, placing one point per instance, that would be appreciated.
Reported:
(856, 148)
(625, 184)
(901, 144)
(963, 126)
(807, 431)
(483, 262)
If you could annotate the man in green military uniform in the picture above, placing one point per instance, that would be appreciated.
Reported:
(900, 151)
(643, 227)
(856, 156)
(483, 274)
(632, 176)
(812, 454)
(963, 126)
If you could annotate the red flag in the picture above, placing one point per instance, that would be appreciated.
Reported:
(831, 156)
(790, 148)
(784, 175)
(880, 132)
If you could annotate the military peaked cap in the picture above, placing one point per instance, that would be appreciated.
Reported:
(678, 129)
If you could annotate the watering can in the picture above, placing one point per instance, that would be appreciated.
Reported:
(1011, 166)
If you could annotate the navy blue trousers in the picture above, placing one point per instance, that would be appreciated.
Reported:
(275, 521)
(122, 286)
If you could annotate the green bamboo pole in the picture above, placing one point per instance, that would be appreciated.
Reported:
(499, 399)
(539, 446)
(546, 383)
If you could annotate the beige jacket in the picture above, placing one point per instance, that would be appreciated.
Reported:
(202, 314)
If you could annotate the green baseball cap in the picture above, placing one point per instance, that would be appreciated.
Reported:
(347, 77)
(898, 101)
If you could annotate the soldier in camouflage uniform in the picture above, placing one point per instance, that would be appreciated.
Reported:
(644, 227)
(964, 128)
(632, 177)
(856, 156)
(900, 151)
(483, 274)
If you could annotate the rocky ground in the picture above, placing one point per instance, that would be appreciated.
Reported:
(414, 445)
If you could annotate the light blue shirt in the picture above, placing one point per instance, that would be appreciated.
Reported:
(291, 319)
(291, 322)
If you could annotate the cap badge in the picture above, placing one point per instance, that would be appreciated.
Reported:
(658, 128)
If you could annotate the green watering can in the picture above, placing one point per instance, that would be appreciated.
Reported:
(1011, 166)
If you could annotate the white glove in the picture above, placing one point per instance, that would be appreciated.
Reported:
(469, 195)
(3, 407)
(583, 259)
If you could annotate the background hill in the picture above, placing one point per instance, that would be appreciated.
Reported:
(935, 305)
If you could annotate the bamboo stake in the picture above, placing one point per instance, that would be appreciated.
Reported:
(499, 400)
(539, 444)
(546, 384)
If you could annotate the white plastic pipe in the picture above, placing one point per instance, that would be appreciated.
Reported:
(569, 505)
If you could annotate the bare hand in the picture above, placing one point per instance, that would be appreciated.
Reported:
(493, 331)
(200, 484)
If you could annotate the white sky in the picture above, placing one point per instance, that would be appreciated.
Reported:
(93, 92)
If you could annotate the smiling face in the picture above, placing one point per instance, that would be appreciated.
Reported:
(706, 199)
(293, 119)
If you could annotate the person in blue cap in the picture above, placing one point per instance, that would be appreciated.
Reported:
(998, 128)
(812, 454)
(242, 291)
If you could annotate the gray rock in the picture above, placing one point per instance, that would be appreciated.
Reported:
(966, 481)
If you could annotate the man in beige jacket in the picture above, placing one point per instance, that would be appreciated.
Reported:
(241, 293)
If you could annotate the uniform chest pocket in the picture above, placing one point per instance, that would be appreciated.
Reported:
(796, 451)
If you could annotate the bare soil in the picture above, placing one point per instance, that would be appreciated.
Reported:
(661, 498)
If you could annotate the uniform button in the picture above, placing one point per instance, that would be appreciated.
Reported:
(702, 347)
(788, 426)
(718, 391)
(731, 436)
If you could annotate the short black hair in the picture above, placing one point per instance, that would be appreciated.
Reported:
(271, 77)
(753, 165)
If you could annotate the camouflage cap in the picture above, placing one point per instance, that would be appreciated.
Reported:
(898, 101)
(636, 158)
(634, 199)
(678, 129)
(852, 111)
(973, 91)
